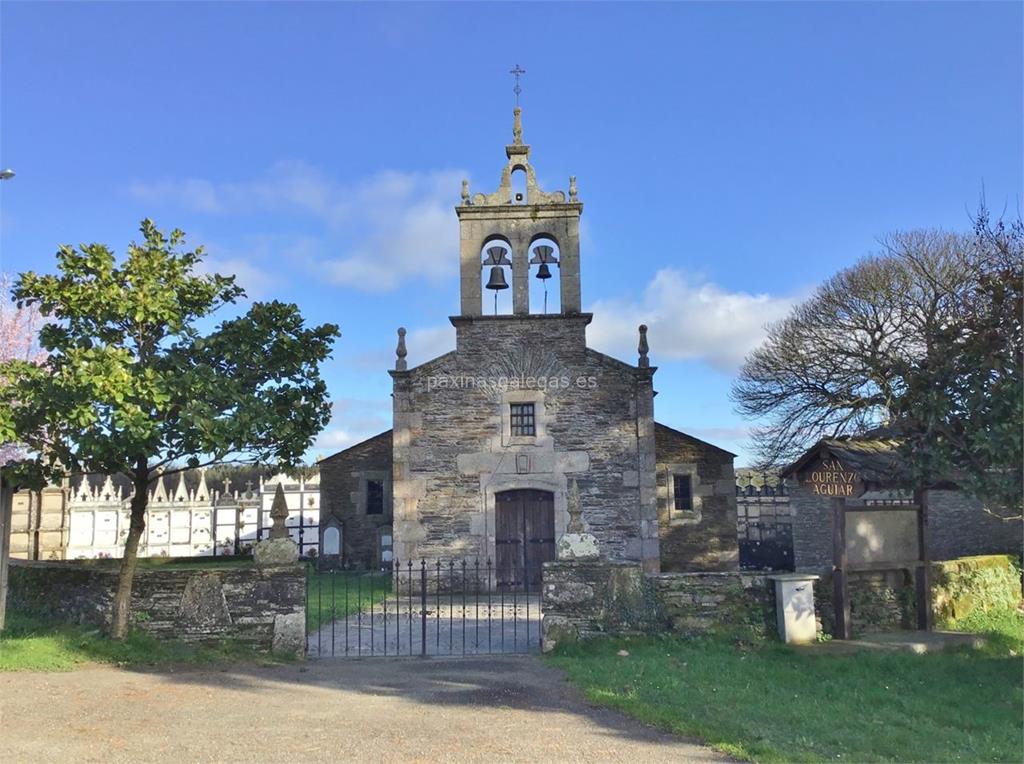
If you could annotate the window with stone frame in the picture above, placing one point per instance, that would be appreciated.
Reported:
(682, 490)
(522, 419)
(375, 497)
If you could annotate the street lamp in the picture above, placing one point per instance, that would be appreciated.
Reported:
(6, 174)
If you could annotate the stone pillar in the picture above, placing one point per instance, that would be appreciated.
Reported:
(521, 276)
(569, 268)
(405, 491)
(273, 557)
(6, 511)
(650, 553)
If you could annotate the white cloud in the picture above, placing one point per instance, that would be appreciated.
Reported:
(428, 343)
(688, 319)
(353, 420)
(424, 344)
(382, 231)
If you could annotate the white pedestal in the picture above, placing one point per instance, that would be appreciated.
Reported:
(794, 607)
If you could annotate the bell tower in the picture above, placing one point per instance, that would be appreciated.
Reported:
(516, 227)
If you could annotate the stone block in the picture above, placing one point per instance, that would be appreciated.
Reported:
(289, 634)
(275, 553)
(557, 630)
(203, 600)
(577, 546)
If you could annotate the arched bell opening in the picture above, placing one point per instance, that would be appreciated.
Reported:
(545, 285)
(518, 185)
(496, 278)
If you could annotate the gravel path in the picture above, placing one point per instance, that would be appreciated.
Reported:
(508, 708)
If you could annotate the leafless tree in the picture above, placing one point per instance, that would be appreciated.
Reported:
(835, 365)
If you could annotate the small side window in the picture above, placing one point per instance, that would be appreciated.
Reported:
(683, 492)
(375, 497)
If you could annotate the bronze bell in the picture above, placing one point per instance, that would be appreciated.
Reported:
(543, 272)
(497, 279)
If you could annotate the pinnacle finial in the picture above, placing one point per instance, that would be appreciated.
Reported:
(279, 514)
(572, 188)
(643, 349)
(400, 351)
(465, 191)
(517, 127)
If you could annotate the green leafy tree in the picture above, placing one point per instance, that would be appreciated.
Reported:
(962, 412)
(131, 383)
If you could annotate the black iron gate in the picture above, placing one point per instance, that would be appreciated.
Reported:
(424, 608)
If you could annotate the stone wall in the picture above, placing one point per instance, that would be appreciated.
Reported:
(703, 538)
(960, 528)
(343, 478)
(879, 601)
(812, 529)
(584, 599)
(453, 452)
(697, 603)
(988, 582)
(264, 608)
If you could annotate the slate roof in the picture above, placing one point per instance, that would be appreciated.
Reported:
(874, 458)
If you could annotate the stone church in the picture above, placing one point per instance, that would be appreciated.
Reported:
(495, 442)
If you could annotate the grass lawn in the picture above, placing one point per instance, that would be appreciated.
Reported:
(36, 644)
(772, 703)
(336, 594)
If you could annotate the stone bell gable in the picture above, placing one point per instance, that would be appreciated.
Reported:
(523, 436)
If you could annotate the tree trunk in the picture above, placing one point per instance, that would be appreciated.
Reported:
(120, 620)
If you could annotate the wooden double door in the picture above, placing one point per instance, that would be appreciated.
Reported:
(524, 538)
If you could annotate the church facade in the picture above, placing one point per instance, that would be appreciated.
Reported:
(495, 442)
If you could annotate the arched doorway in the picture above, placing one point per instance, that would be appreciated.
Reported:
(524, 537)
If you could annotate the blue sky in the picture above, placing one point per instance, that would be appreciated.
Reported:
(729, 156)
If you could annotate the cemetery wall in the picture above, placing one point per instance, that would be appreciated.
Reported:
(264, 608)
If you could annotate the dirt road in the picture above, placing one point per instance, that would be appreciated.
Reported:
(472, 709)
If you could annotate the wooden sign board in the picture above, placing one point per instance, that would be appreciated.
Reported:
(831, 478)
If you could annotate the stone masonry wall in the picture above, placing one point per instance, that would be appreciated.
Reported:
(263, 608)
(960, 527)
(812, 529)
(453, 453)
(697, 603)
(584, 599)
(343, 497)
(705, 537)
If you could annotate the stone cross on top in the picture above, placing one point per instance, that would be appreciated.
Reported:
(517, 73)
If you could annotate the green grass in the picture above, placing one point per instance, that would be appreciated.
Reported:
(29, 643)
(772, 703)
(1003, 630)
(352, 591)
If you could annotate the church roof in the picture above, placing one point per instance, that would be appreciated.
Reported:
(687, 436)
(386, 433)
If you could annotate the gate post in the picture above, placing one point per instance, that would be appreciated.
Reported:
(839, 582)
(423, 608)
